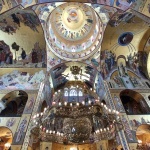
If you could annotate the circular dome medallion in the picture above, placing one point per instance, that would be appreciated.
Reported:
(75, 31)
(125, 38)
(72, 21)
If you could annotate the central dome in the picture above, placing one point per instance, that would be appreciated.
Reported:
(74, 22)
(74, 31)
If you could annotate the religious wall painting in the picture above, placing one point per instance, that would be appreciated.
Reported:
(44, 11)
(123, 4)
(9, 21)
(12, 20)
(105, 12)
(36, 57)
(92, 72)
(137, 120)
(136, 61)
(57, 75)
(29, 105)
(106, 2)
(11, 3)
(6, 56)
(146, 9)
(121, 16)
(107, 63)
(130, 134)
(24, 3)
(52, 60)
(116, 81)
(10, 122)
(21, 130)
(138, 5)
(21, 53)
(118, 103)
(21, 80)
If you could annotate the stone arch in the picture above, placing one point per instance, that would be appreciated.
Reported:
(13, 103)
(6, 137)
(121, 59)
(134, 102)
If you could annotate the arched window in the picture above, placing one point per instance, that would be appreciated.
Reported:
(66, 93)
(80, 93)
(73, 92)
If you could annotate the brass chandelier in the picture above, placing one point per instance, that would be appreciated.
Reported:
(74, 122)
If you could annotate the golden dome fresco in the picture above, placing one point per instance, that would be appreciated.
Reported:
(74, 31)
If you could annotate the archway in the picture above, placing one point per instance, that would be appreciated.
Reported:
(5, 138)
(143, 136)
(133, 102)
(13, 103)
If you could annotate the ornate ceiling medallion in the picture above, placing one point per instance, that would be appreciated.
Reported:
(74, 31)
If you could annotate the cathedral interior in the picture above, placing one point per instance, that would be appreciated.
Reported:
(75, 75)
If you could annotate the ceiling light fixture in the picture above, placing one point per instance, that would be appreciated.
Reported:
(76, 122)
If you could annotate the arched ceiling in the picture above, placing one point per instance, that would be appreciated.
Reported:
(121, 24)
(74, 31)
(116, 30)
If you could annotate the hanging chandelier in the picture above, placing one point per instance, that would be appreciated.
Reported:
(74, 122)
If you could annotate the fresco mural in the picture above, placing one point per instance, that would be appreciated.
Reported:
(16, 53)
(130, 81)
(12, 3)
(146, 9)
(44, 11)
(124, 4)
(125, 72)
(21, 80)
(130, 135)
(121, 16)
(99, 85)
(57, 77)
(24, 3)
(11, 21)
(73, 72)
(6, 56)
(105, 12)
(138, 5)
(30, 104)
(137, 120)
(118, 103)
(36, 58)
(52, 60)
(21, 130)
(106, 2)
(107, 62)
(138, 63)
(121, 4)
(10, 122)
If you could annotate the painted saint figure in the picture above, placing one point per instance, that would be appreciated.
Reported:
(21, 129)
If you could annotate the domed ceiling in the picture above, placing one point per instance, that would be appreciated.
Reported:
(74, 31)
